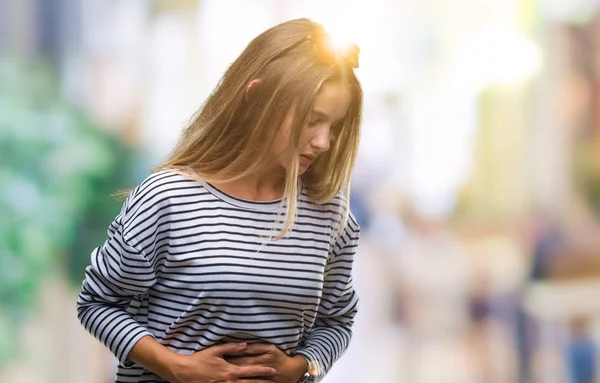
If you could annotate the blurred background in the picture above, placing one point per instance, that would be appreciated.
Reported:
(477, 184)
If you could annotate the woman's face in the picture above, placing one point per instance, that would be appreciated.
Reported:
(331, 105)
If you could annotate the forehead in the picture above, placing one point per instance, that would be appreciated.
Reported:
(332, 101)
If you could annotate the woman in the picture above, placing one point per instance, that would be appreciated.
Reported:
(232, 262)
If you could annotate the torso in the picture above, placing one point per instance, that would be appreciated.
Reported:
(218, 278)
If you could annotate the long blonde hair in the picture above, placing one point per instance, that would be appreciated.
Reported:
(226, 139)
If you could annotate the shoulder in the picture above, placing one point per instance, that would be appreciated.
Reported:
(157, 192)
(337, 210)
(162, 185)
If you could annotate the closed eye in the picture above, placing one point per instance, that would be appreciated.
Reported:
(315, 122)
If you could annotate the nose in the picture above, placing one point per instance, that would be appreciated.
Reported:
(321, 139)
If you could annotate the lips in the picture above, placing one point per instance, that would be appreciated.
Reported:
(306, 159)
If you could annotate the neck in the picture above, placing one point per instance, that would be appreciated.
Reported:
(258, 186)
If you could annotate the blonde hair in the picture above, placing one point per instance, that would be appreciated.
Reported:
(226, 139)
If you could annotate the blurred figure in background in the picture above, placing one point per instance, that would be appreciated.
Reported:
(432, 277)
(581, 353)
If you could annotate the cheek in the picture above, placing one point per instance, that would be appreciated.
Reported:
(304, 137)
(281, 145)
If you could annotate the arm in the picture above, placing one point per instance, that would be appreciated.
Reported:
(157, 358)
(329, 338)
(121, 272)
(118, 273)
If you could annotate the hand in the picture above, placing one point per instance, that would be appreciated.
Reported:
(209, 366)
(289, 369)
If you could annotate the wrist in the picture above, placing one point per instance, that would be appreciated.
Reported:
(300, 367)
(172, 367)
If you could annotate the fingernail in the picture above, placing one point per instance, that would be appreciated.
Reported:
(273, 371)
(242, 345)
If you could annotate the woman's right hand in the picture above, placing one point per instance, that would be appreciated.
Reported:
(209, 366)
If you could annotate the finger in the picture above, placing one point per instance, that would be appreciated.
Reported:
(237, 360)
(252, 371)
(227, 348)
(237, 353)
(247, 360)
(260, 348)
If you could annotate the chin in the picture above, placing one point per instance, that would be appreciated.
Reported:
(302, 169)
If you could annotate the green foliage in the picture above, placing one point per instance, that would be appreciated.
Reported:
(57, 171)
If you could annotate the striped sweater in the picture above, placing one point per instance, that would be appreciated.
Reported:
(190, 266)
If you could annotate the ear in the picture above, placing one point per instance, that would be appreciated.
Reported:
(251, 86)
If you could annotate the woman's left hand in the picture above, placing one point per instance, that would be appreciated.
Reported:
(289, 369)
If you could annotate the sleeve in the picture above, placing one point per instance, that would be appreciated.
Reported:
(329, 338)
(118, 273)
